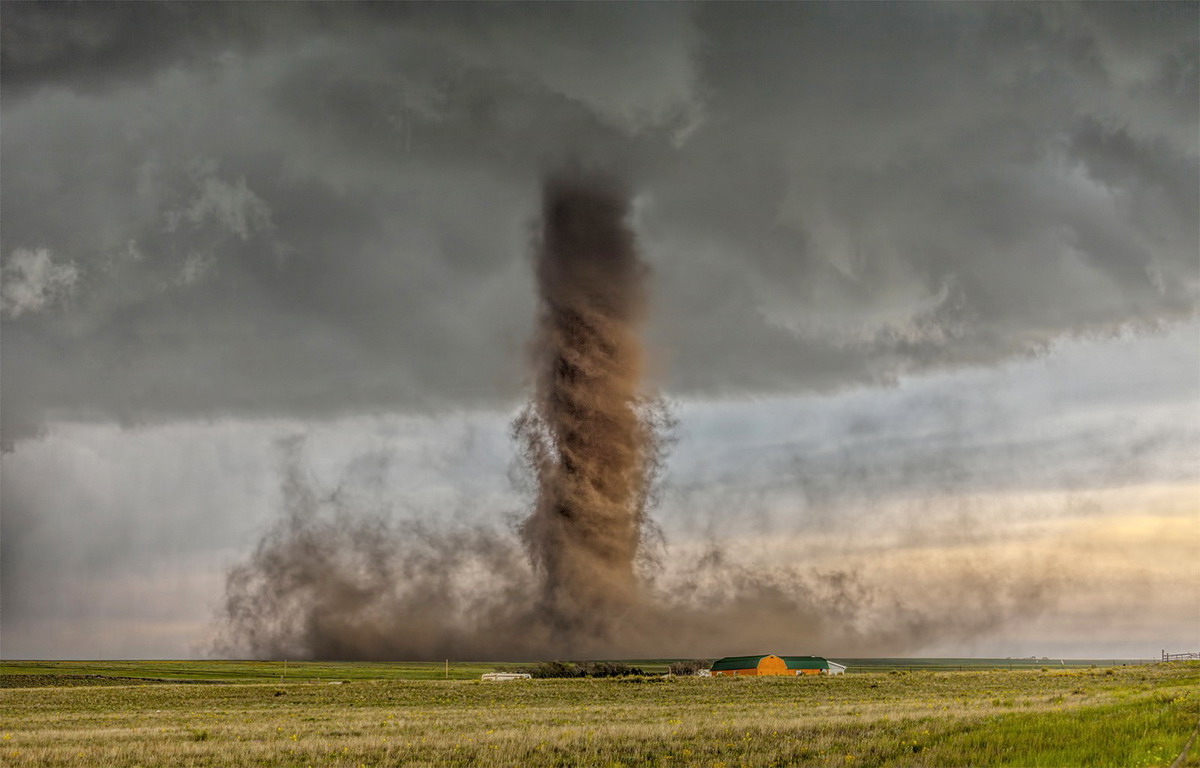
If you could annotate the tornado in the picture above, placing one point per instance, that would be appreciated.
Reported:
(589, 430)
(581, 579)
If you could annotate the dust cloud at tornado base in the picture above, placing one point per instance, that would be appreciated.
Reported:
(586, 573)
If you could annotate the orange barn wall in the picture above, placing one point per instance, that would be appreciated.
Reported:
(772, 665)
(735, 672)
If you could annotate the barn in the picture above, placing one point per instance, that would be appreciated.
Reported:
(770, 664)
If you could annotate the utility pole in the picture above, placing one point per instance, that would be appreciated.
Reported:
(447, 669)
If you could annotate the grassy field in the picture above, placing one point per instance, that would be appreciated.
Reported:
(250, 671)
(1083, 716)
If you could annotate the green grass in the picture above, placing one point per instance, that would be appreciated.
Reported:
(1127, 716)
(252, 671)
(876, 665)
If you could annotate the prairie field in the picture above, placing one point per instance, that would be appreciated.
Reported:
(55, 713)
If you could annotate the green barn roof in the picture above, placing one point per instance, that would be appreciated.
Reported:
(738, 662)
(750, 662)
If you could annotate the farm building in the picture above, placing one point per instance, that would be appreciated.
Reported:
(771, 664)
(505, 676)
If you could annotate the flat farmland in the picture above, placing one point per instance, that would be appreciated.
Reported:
(52, 714)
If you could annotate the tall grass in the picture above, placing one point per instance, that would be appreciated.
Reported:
(1135, 716)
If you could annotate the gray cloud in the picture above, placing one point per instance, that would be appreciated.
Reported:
(318, 210)
(32, 281)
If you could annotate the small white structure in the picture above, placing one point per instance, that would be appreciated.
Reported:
(506, 676)
(835, 668)
(703, 673)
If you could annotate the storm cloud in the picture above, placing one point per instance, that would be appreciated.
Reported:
(930, 271)
(312, 211)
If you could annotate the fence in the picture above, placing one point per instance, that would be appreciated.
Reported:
(1180, 656)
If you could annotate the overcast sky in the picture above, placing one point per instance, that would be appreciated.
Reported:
(925, 285)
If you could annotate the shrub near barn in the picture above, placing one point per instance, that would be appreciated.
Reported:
(568, 669)
(691, 667)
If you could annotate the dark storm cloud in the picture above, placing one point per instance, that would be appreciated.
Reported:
(320, 209)
(96, 45)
